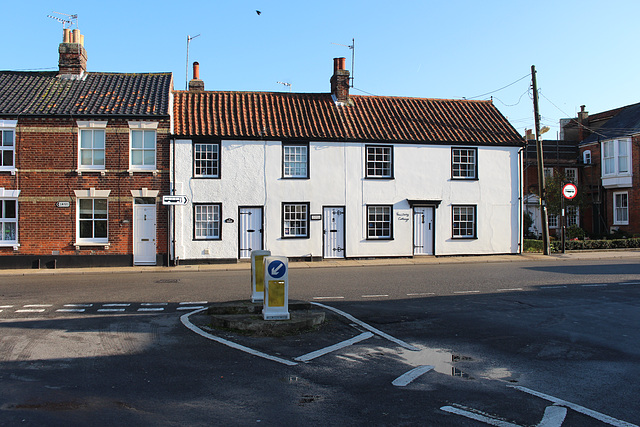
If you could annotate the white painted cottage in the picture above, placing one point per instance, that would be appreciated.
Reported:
(333, 175)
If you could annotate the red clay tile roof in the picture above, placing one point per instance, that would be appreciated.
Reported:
(314, 116)
(101, 94)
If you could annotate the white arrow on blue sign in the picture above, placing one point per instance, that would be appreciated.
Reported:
(276, 269)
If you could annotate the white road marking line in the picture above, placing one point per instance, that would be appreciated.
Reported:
(154, 303)
(193, 303)
(466, 292)
(478, 417)
(328, 297)
(553, 287)
(110, 310)
(314, 354)
(595, 285)
(629, 283)
(78, 305)
(71, 310)
(198, 307)
(374, 296)
(37, 305)
(411, 375)
(553, 416)
(418, 294)
(31, 310)
(116, 305)
(589, 412)
(368, 327)
(510, 289)
(6, 306)
(151, 309)
(185, 321)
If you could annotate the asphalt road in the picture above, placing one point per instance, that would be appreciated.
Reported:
(518, 343)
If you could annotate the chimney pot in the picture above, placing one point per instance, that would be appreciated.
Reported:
(195, 84)
(73, 56)
(196, 71)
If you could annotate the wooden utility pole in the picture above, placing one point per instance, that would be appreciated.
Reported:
(541, 179)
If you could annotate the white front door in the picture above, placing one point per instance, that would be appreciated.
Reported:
(423, 231)
(250, 231)
(333, 230)
(144, 235)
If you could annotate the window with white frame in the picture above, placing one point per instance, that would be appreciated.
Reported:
(8, 221)
(571, 174)
(616, 157)
(295, 161)
(206, 221)
(464, 222)
(572, 215)
(206, 160)
(92, 146)
(379, 222)
(621, 208)
(552, 221)
(295, 220)
(92, 221)
(8, 144)
(464, 163)
(379, 161)
(143, 149)
(142, 146)
(586, 157)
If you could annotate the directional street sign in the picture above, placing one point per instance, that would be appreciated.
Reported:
(174, 200)
(277, 269)
(569, 191)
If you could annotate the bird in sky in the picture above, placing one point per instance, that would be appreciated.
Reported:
(258, 12)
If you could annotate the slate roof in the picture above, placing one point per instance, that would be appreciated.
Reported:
(95, 94)
(315, 116)
(625, 123)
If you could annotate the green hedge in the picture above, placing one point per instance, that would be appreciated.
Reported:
(576, 245)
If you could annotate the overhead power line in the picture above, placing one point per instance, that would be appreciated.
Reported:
(504, 87)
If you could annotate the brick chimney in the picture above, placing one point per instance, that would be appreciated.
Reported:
(583, 123)
(195, 84)
(73, 56)
(340, 82)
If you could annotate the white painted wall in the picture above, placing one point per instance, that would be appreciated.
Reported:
(251, 176)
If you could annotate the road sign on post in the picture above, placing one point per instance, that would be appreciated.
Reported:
(276, 288)
(174, 200)
(569, 191)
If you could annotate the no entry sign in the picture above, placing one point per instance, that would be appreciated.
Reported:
(569, 191)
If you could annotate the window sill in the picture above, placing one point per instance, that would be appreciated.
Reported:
(457, 178)
(152, 171)
(84, 171)
(80, 245)
(12, 171)
(15, 246)
(466, 237)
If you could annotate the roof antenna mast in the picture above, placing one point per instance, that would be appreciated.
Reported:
(66, 23)
(352, 46)
(186, 71)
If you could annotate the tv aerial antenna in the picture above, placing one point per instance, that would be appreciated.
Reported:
(286, 84)
(352, 47)
(66, 23)
(186, 71)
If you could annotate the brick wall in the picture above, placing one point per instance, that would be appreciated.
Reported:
(47, 163)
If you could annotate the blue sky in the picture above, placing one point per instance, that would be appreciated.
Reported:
(585, 52)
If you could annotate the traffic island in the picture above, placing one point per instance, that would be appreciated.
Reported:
(246, 318)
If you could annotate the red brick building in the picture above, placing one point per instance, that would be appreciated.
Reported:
(609, 149)
(84, 160)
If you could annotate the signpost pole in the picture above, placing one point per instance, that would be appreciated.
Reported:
(563, 221)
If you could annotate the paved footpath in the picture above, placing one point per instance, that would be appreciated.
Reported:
(619, 254)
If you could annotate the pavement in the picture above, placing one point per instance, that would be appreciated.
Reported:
(360, 262)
